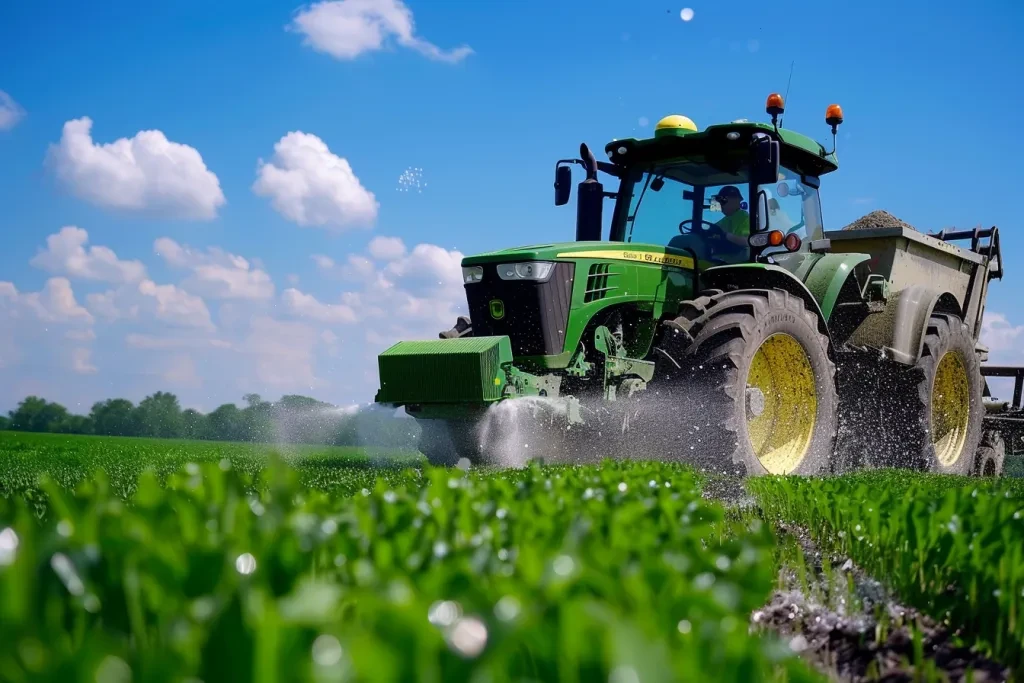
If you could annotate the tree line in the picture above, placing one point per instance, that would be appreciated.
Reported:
(292, 419)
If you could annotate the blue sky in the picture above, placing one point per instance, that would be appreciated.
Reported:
(251, 140)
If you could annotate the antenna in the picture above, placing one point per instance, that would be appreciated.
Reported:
(788, 83)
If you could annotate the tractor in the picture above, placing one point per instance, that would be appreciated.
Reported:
(708, 317)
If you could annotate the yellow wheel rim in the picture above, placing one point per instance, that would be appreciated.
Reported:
(950, 409)
(781, 434)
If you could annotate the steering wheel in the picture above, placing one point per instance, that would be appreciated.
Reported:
(714, 231)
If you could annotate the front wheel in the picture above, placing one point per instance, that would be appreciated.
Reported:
(752, 369)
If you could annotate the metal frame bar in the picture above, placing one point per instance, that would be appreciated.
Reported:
(1008, 371)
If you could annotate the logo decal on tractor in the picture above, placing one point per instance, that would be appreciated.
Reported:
(670, 260)
(497, 308)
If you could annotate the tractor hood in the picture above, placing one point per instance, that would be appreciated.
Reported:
(567, 251)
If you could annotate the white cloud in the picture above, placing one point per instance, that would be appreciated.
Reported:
(65, 254)
(181, 372)
(323, 262)
(85, 335)
(146, 173)
(148, 300)
(311, 186)
(216, 273)
(10, 112)
(386, 248)
(1000, 335)
(81, 361)
(427, 266)
(283, 353)
(112, 305)
(345, 29)
(176, 306)
(307, 306)
(163, 343)
(358, 268)
(54, 303)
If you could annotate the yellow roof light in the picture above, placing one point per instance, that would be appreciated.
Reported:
(676, 124)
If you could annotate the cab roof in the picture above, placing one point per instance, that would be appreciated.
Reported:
(676, 137)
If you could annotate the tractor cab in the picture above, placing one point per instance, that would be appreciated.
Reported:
(731, 193)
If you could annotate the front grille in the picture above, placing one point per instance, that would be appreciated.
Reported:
(535, 313)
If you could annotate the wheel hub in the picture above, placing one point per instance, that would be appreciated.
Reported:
(782, 403)
(950, 409)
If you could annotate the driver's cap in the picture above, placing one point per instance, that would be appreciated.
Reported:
(727, 192)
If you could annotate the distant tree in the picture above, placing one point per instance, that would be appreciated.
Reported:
(159, 416)
(75, 424)
(114, 417)
(257, 419)
(193, 424)
(226, 423)
(35, 414)
(5, 423)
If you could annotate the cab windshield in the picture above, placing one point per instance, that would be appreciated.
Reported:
(702, 208)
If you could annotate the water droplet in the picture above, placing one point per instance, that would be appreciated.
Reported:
(245, 564)
(327, 650)
(8, 546)
(468, 637)
(704, 581)
(66, 571)
(798, 644)
(507, 608)
(444, 613)
(563, 565)
(113, 670)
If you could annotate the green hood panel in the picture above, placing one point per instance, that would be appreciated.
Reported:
(652, 254)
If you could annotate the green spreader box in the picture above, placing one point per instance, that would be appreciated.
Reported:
(467, 370)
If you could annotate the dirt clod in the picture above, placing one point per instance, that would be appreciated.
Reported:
(878, 219)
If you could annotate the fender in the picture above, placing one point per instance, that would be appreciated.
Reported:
(899, 330)
(764, 276)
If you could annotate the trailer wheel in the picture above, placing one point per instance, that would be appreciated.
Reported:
(991, 456)
(755, 386)
(942, 421)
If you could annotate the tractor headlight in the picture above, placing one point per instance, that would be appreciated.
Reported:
(535, 271)
(472, 274)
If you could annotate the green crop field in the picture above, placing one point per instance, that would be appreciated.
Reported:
(156, 560)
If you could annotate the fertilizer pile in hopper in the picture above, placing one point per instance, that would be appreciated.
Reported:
(879, 219)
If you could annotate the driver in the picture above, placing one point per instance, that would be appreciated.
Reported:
(736, 224)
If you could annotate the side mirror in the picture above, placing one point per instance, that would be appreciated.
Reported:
(766, 160)
(563, 185)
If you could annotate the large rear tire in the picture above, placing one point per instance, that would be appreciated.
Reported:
(942, 414)
(750, 373)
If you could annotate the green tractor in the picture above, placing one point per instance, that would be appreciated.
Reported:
(718, 323)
